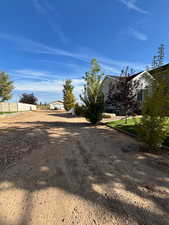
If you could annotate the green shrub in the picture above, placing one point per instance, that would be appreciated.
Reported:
(93, 97)
(94, 112)
(152, 129)
(79, 110)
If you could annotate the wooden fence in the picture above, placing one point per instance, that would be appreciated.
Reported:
(16, 107)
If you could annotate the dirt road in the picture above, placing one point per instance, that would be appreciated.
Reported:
(61, 170)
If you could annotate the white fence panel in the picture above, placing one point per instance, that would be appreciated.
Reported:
(16, 107)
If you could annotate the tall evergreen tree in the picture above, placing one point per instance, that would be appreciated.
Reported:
(93, 97)
(68, 97)
(6, 87)
(161, 55)
(158, 60)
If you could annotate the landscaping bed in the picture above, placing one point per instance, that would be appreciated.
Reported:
(130, 127)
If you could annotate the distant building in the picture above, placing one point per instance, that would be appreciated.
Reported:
(57, 105)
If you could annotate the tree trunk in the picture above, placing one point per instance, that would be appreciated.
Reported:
(126, 116)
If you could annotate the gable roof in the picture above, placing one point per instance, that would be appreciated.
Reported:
(162, 69)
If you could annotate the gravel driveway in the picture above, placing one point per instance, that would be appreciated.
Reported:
(61, 170)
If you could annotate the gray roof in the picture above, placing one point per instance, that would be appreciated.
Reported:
(151, 71)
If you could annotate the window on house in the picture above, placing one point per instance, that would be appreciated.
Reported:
(140, 95)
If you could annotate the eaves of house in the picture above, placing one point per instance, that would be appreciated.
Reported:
(162, 69)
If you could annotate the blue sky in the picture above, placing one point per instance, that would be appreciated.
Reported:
(44, 42)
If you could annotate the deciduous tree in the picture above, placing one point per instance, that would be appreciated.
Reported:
(28, 98)
(123, 93)
(6, 87)
(68, 96)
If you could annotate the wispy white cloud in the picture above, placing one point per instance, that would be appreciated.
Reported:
(138, 35)
(84, 55)
(43, 83)
(74, 70)
(43, 6)
(132, 4)
(115, 66)
(50, 86)
(58, 30)
(39, 7)
(109, 69)
(33, 74)
(52, 18)
(32, 46)
(49, 6)
(42, 86)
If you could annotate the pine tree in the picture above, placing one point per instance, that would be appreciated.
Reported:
(6, 87)
(161, 55)
(68, 97)
(93, 97)
(158, 60)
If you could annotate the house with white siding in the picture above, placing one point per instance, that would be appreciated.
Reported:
(56, 105)
(143, 77)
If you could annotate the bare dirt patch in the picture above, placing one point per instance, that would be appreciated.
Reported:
(61, 170)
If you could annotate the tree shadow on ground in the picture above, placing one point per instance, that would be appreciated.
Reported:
(82, 159)
(64, 115)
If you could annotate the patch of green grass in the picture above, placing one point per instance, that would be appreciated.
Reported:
(130, 127)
